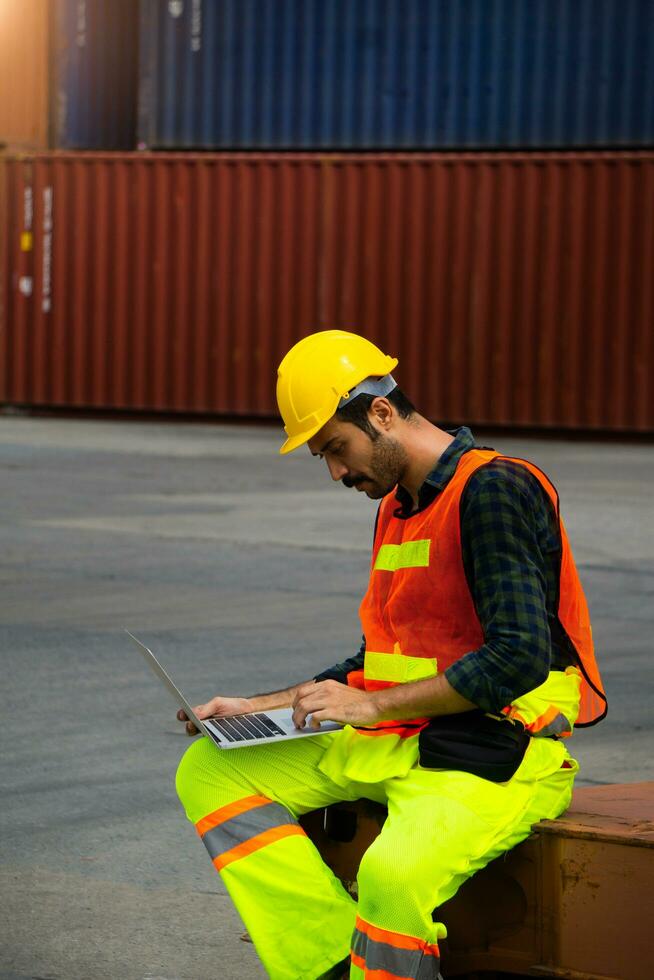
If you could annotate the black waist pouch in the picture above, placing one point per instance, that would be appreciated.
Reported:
(485, 745)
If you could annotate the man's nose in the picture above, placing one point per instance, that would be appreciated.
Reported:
(337, 470)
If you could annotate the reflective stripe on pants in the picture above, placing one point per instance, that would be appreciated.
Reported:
(241, 828)
(389, 955)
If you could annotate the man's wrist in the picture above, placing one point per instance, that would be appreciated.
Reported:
(276, 699)
(429, 697)
(380, 703)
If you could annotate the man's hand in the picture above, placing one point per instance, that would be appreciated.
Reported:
(332, 701)
(216, 708)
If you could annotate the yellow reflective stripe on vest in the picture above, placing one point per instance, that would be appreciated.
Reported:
(410, 554)
(552, 708)
(396, 668)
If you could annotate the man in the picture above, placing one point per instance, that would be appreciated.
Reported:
(477, 660)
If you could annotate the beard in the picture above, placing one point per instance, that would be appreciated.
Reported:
(387, 463)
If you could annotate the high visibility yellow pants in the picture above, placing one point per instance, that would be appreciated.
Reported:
(442, 826)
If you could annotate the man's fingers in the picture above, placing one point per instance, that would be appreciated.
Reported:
(189, 726)
(313, 715)
(308, 705)
(200, 711)
(299, 717)
(204, 710)
(318, 716)
(300, 713)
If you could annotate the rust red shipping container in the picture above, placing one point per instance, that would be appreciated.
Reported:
(514, 288)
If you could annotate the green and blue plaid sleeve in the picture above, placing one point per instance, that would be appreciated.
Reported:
(511, 554)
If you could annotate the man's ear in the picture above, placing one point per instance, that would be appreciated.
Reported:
(381, 411)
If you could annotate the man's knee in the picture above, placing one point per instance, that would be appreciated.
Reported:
(198, 767)
(383, 875)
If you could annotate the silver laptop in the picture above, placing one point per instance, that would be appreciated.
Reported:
(233, 733)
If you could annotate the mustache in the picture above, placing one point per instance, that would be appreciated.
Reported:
(352, 481)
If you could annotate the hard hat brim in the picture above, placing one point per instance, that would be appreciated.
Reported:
(294, 442)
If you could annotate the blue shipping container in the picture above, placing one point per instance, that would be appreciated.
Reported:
(400, 74)
(94, 74)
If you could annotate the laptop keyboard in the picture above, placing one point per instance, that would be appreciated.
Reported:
(246, 728)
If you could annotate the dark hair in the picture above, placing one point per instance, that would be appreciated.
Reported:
(357, 410)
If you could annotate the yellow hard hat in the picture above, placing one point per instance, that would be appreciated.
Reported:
(316, 373)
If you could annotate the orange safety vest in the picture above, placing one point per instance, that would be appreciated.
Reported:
(418, 615)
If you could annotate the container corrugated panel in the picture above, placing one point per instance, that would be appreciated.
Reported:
(396, 74)
(94, 74)
(24, 73)
(515, 288)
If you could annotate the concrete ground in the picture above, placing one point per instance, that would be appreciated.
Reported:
(243, 571)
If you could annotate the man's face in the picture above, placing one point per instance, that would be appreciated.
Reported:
(374, 466)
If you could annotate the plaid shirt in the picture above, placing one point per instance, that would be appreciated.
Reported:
(511, 555)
